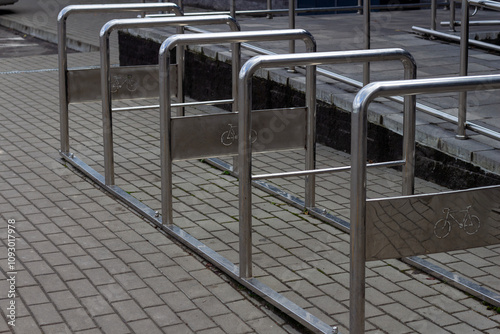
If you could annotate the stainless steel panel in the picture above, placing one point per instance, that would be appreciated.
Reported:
(127, 82)
(424, 224)
(217, 135)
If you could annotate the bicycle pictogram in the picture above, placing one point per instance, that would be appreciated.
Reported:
(229, 136)
(470, 223)
(119, 81)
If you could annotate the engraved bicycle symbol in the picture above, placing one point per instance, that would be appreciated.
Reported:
(119, 81)
(470, 223)
(229, 136)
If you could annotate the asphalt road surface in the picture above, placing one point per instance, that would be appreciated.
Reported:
(14, 44)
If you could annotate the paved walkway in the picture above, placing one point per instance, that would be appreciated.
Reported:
(85, 263)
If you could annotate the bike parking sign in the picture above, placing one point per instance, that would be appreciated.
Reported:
(433, 223)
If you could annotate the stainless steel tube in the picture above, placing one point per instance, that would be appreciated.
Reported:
(62, 49)
(165, 110)
(464, 65)
(433, 14)
(358, 173)
(367, 30)
(310, 186)
(244, 118)
(291, 25)
(269, 8)
(106, 31)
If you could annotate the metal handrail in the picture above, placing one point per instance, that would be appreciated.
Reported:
(358, 172)
(62, 49)
(106, 30)
(463, 39)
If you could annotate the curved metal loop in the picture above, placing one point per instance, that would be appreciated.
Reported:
(476, 9)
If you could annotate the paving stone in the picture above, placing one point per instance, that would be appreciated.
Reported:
(78, 319)
(64, 300)
(112, 323)
(129, 310)
(97, 305)
(162, 315)
(45, 314)
(33, 295)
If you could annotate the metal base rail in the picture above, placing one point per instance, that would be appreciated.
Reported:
(453, 279)
(274, 298)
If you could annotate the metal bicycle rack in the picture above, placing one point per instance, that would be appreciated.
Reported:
(144, 74)
(69, 90)
(245, 119)
(415, 224)
(173, 144)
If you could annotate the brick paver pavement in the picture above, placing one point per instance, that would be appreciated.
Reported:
(86, 264)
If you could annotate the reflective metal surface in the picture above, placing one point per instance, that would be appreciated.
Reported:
(236, 38)
(128, 82)
(358, 174)
(424, 224)
(62, 49)
(245, 119)
(110, 83)
(272, 130)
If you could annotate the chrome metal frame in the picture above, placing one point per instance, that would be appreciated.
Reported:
(358, 173)
(63, 56)
(106, 74)
(165, 102)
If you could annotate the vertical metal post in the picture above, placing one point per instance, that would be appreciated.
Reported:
(63, 84)
(358, 228)
(232, 8)
(236, 65)
(165, 133)
(464, 64)
(245, 178)
(310, 186)
(180, 55)
(409, 129)
(107, 126)
(366, 16)
(291, 25)
(269, 7)
(433, 14)
(452, 15)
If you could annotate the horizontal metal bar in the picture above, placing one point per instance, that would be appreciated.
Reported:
(185, 104)
(455, 280)
(485, 4)
(154, 106)
(454, 38)
(325, 170)
(472, 23)
(309, 10)
(201, 103)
